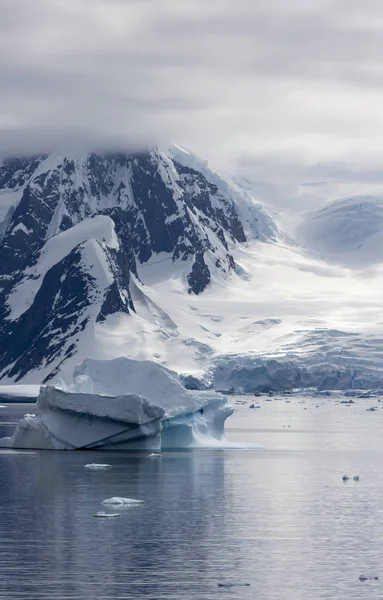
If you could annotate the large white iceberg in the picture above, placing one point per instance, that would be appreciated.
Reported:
(76, 421)
(192, 417)
(122, 404)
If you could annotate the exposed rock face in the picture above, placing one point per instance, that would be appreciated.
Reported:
(73, 230)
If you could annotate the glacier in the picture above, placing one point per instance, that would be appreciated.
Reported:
(122, 404)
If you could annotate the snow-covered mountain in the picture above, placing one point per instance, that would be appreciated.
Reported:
(347, 232)
(77, 232)
(153, 256)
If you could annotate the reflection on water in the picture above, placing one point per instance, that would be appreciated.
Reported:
(280, 518)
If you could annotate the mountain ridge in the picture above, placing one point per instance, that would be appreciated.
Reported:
(66, 213)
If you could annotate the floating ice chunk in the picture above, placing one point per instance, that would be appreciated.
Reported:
(117, 501)
(201, 428)
(154, 382)
(69, 421)
(368, 578)
(105, 515)
(231, 584)
(154, 455)
(123, 404)
(97, 467)
(30, 433)
(192, 418)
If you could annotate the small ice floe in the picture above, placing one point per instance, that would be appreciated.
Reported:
(117, 501)
(231, 584)
(345, 478)
(104, 515)
(368, 578)
(154, 455)
(97, 467)
(356, 477)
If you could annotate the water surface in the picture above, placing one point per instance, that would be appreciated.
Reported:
(279, 518)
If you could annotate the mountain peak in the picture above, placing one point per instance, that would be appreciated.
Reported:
(74, 229)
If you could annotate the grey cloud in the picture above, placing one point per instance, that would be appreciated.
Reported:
(270, 83)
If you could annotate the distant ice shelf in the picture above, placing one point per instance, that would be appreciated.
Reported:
(122, 404)
(19, 393)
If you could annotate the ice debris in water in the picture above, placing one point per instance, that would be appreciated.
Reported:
(117, 501)
(345, 478)
(97, 467)
(368, 578)
(154, 455)
(105, 515)
(230, 584)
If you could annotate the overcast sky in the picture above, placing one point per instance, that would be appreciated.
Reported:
(293, 86)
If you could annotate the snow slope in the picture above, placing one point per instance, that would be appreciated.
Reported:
(81, 238)
(348, 232)
(155, 257)
(99, 230)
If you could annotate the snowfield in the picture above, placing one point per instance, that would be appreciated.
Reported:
(258, 307)
(348, 232)
(94, 232)
(291, 308)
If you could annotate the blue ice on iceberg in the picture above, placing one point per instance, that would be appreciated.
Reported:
(122, 404)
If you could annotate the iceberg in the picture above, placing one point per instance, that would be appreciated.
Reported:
(76, 421)
(122, 404)
(193, 418)
(118, 501)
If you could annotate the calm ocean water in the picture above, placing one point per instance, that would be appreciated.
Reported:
(279, 518)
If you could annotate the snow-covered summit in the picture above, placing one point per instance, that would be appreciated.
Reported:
(155, 257)
(348, 231)
(82, 237)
